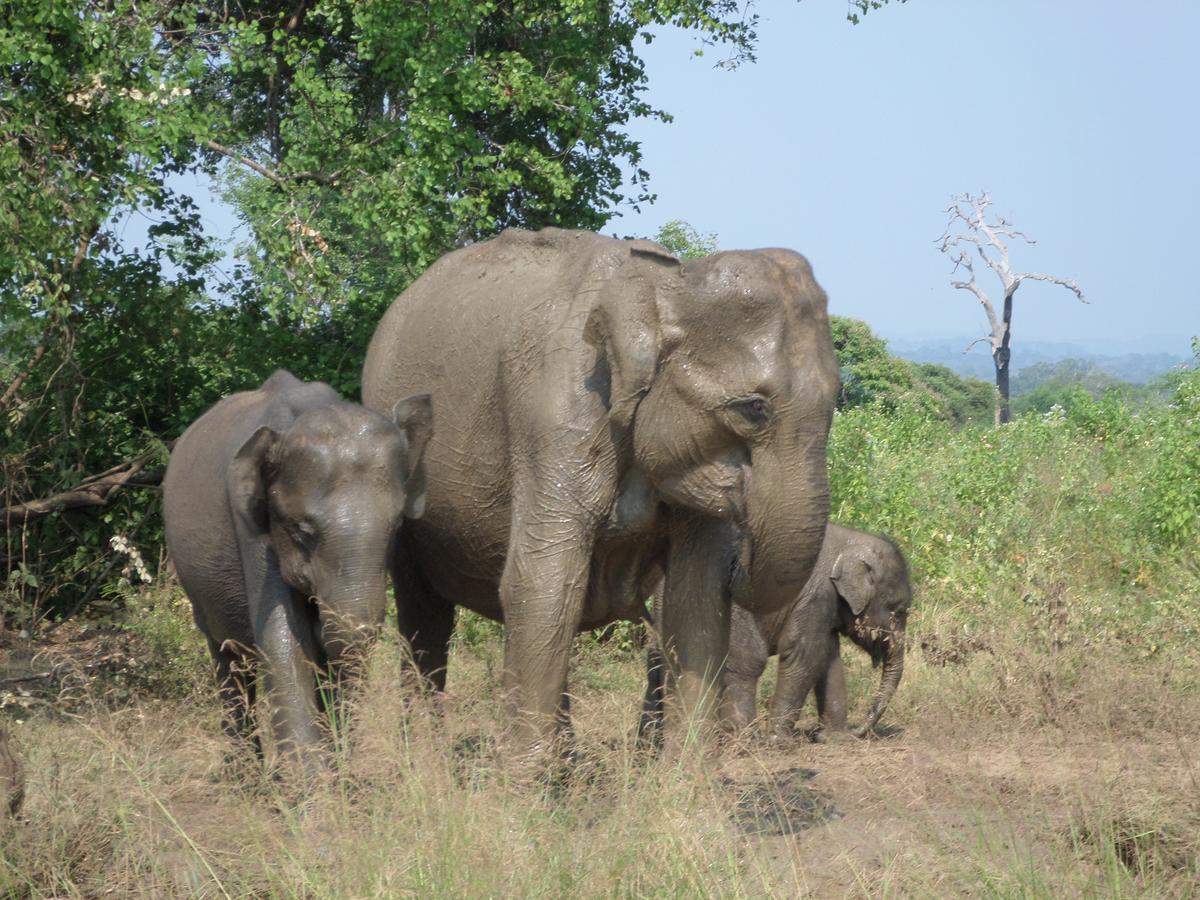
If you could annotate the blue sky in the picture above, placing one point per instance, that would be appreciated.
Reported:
(847, 142)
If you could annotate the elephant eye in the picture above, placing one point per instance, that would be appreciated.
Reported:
(754, 409)
(304, 534)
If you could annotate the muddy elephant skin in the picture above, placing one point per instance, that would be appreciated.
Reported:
(860, 589)
(608, 409)
(281, 507)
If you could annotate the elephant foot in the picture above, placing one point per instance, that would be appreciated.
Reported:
(826, 735)
(781, 736)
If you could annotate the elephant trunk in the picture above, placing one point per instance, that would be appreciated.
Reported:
(893, 668)
(787, 507)
(352, 612)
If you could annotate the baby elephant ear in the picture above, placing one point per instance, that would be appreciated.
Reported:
(414, 415)
(854, 580)
(247, 479)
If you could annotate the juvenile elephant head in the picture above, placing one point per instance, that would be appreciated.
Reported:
(723, 368)
(871, 578)
(329, 494)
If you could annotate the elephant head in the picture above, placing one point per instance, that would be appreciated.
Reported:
(328, 494)
(723, 370)
(872, 583)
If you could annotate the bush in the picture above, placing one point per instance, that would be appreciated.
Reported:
(1100, 504)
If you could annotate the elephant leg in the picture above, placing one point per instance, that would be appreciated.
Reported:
(289, 677)
(236, 685)
(739, 706)
(426, 620)
(801, 661)
(695, 622)
(542, 593)
(748, 655)
(831, 693)
(286, 644)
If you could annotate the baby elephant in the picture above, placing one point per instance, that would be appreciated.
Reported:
(281, 508)
(859, 588)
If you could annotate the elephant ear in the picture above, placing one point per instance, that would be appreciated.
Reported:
(414, 415)
(625, 321)
(247, 480)
(854, 579)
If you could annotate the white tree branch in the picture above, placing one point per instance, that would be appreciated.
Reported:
(1068, 283)
(979, 340)
(975, 289)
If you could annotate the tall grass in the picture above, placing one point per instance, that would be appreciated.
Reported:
(1042, 742)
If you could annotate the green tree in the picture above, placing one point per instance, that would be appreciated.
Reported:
(359, 141)
(873, 376)
(365, 139)
(685, 241)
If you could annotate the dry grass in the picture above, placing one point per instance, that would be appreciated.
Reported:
(1006, 770)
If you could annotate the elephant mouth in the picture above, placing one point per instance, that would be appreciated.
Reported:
(718, 489)
(876, 641)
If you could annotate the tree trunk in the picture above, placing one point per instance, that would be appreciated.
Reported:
(1002, 354)
(1001, 358)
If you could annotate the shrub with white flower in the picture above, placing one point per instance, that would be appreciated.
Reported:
(136, 567)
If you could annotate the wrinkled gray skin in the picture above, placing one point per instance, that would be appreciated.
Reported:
(606, 409)
(281, 508)
(860, 589)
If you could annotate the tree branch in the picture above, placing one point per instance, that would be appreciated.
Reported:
(95, 490)
(978, 340)
(270, 174)
(1068, 283)
(11, 391)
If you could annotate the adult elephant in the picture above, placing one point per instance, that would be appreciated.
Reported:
(607, 409)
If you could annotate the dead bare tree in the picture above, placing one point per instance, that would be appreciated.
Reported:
(967, 228)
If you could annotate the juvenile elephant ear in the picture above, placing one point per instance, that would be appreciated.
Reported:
(854, 580)
(624, 322)
(248, 477)
(414, 415)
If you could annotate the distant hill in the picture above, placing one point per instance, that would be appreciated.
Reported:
(1136, 365)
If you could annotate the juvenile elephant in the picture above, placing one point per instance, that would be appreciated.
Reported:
(281, 505)
(859, 589)
(607, 409)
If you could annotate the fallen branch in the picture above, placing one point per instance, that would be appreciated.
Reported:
(95, 490)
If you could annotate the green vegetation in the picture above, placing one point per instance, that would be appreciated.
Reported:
(1101, 501)
(357, 142)
(1039, 387)
(873, 377)
(1041, 741)
(685, 241)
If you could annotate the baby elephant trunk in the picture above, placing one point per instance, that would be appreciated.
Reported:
(893, 668)
(350, 620)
